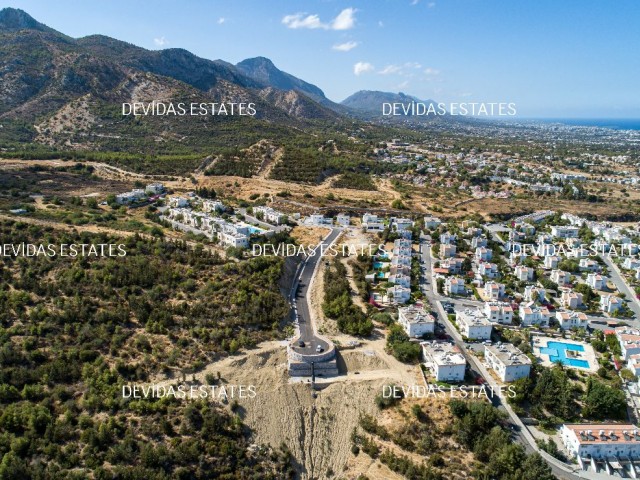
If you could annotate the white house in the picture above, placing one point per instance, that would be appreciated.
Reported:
(531, 314)
(568, 320)
(473, 324)
(629, 340)
(564, 231)
(318, 220)
(343, 219)
(154, 189)
(483, 254)
(454, 286)
(610, 303)
(633, 364)
(401, 224)
(179, 202)
(399, 294)
(524, 274)
(596, 281)
(477, 242)
(447, 250)
(431, 222)
(494, 290)
(551, 261)
(416, 321)
(453, 265)
(400, 279)
(631, 263)
(588, 265)
(401, 259)
(444, 360)
(507, 361)
(448, 238)
(560, 277)
(571, 299)
(270, 215)
(489, 270)
(498, 312)
(372, 223)
(608, 442)
(533, 293)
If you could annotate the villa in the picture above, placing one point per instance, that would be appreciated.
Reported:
(445, 361)
(507, 361)
(416, 321)
(473, 324)
(494, 290)
(610, 303)
(530, 314)
(498, 312)
(568, 320)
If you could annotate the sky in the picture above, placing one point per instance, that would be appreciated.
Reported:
(558, 59)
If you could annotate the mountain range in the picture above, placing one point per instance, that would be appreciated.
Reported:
(64, 92)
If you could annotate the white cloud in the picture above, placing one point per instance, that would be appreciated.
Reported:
(431, 72)
(344, 21)
(362, 67)
(380, 23)
(431, 4)
(221, 20)
(415, 2)
(299, 20)
(404, 69)
(161, 42)
(389, 69)
(402, 85)
(345, 47)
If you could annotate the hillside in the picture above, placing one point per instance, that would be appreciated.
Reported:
(369, 102)
(67, 93)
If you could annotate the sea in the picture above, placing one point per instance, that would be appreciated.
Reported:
(612, 123)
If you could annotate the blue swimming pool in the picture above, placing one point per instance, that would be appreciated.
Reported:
(557, 351)
(255, 231)
(383, 255)
(378, 264)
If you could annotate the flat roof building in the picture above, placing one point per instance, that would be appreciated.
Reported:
(445, 361)
(507, 361)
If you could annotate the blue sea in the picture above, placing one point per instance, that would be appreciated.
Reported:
(613, 123)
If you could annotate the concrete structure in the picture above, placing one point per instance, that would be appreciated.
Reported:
(318, 220)
(596, 281)
(447, 250)
(604, 443)
(270, 215)
(483, 254)
(629, 340)
(372, 223)
(524, 274)
(179, 202)
(473, 324)
(568, 320)
(610, 303)
(431, 222)
(454, 286)
(398, 294)
(133, 196)
(560, 277)
(507, 361)
(343, 220)
(477, 242)
(588, 265)
(531, 314)
(416, 321)
(213, 206)
(444, 360)
(564, 231)
(489, 270)
(571, 299)
(533, 293)
(551, 261)
(494, 290)
(154, 189)
(498, 312)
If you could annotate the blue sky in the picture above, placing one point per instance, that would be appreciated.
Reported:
(569, 58)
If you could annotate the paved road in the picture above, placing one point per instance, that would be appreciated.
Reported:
(623, 287)
(300, 300)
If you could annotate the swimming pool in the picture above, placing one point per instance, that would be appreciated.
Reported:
(378, 264)
(557, 351)
(383, 255)
(255, 231)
